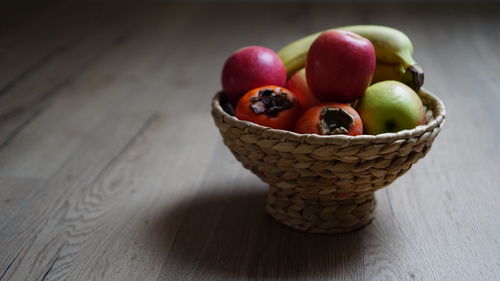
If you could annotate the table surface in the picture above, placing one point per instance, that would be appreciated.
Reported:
(111, 167)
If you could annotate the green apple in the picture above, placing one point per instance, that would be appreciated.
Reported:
(390, 106)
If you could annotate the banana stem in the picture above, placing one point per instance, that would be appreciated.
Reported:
(414, 77)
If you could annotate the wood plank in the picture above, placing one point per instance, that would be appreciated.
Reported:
(13, 196)
(151, 180)
(96, 89)
(55, 28)
(17, 42)
(100, 104)
(34, 235)
(73, 48)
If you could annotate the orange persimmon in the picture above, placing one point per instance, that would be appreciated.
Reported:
(330, 119)
(270, 106)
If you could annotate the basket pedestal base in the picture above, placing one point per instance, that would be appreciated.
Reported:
(317, 213)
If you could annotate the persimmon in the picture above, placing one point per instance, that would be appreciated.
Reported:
(270, 106)
(297, 84)
(330, 119)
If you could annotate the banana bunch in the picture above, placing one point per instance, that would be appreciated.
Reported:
(393, 50)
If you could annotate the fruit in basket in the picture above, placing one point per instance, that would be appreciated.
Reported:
(388, 71)
(339, 66)
(390, 106)
(391, 47)
(330, 119)
(271, 106)
(297, 84)
(249, 68)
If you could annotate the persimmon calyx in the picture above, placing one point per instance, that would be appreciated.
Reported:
(334, 121)
(270, 102)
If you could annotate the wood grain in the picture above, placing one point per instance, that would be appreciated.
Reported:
(111, 167)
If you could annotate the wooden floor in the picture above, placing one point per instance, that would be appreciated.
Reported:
(112, 169)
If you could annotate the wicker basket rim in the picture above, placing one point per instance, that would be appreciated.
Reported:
(428, 99)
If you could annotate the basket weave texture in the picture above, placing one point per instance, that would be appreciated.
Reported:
(326, 184)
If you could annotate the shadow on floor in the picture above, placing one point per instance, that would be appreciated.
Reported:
(227, 234)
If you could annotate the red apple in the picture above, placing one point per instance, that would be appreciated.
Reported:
(297, 84)
(249, 68)
(340, 66)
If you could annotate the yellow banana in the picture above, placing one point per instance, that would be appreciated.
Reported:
(388, 71)
(294, 54)
(391, 47)
(412, 76)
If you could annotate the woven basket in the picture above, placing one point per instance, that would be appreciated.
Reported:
(326, 184)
